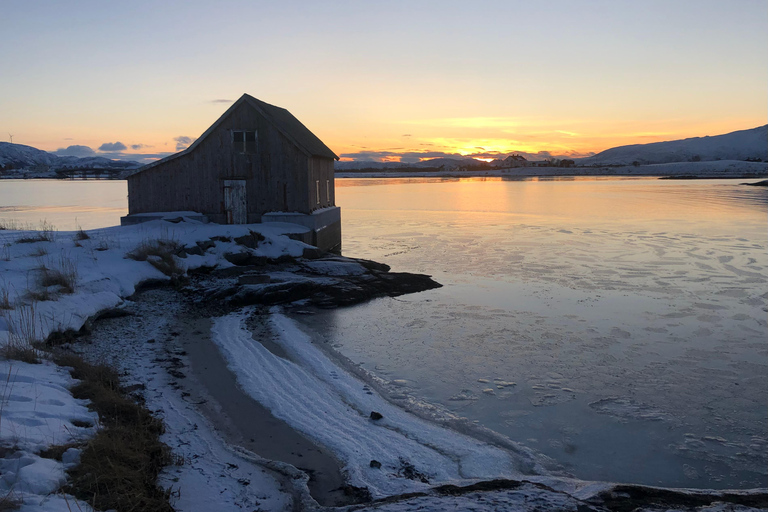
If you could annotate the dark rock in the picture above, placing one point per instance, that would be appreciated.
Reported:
(628, 497)
(409, 471)
(254, 279)
(194, 250)
(375, 464)
(285, 258)
(244, 258)
(274, 293)
(221, 238)
(373, 265)
(312, 253)
(205, 245)
(357, 494)
(250, 240)
(376, 415)
(181, 252)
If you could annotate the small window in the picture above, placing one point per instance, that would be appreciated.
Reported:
(328, 191)
(317, 183)
(244, 142)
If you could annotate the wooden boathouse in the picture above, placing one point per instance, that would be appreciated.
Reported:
(256, 163)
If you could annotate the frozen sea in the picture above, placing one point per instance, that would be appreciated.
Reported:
(617, 326)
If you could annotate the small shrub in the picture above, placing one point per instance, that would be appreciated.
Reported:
(81, 235)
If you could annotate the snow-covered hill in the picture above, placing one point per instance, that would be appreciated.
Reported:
(19, 156)
(740, 145)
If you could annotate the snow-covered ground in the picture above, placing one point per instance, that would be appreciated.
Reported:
(306, 389)
(37, 410)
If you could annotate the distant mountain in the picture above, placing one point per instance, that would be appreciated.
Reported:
(741, 145)
(19, 156)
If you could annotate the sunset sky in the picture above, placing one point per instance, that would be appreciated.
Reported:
(384, 80)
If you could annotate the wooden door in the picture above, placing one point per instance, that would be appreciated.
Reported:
(234, 202)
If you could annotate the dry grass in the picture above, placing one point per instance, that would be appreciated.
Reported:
(61, 273)
(160, 254)
(9, 502)
(9, 225)
(18, 352)
(81, 235)
(23, 325)
(118, 468)
(22, 334)
(46, 232)
(5, 297)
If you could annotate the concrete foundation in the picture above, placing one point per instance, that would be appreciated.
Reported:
(324, 225)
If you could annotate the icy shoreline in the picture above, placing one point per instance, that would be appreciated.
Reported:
(305, 388)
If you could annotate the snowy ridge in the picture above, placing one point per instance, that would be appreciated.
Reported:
(739, 145)
(329, 405)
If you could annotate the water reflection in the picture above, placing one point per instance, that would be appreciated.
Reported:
(68, 205)
(629, 314)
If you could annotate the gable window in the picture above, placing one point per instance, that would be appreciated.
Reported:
(244, 142)
(317, 184)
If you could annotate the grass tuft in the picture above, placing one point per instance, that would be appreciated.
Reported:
(81, 235)
(46, 232)
(160, 254)
(9, 502)
(20, 352)
(63, 275)
(5, 298)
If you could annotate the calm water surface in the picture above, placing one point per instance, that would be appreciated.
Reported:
(616, 326)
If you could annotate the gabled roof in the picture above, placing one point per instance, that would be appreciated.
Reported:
(283, 120)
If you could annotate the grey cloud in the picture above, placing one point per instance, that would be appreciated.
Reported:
(222, 101)
(113, 146)
(79, 151)
(139, 146)
(183, 142)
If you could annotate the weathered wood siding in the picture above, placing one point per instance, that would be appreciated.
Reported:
(280, 177)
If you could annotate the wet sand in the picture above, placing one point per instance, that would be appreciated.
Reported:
(242, 421)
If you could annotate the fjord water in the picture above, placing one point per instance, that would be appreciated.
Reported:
(616, 326)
